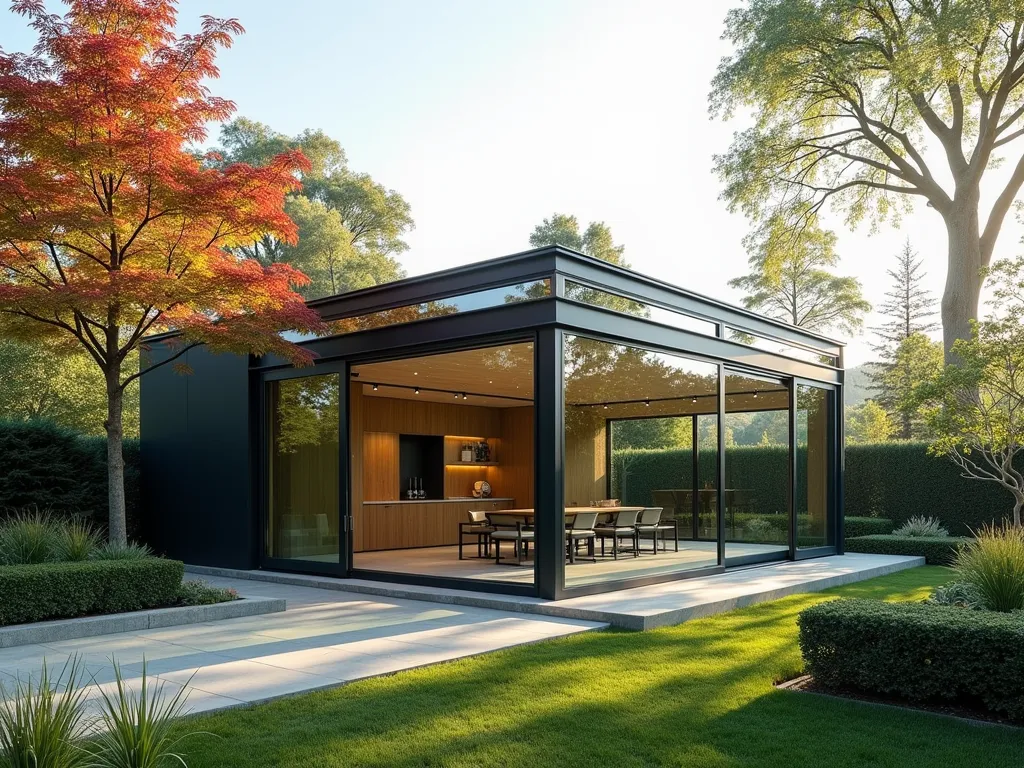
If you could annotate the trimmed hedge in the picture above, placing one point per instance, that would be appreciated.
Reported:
(935, 550)
(854, 526)
(66, 590)
(54, 468)
(916, 651)
(895, 481)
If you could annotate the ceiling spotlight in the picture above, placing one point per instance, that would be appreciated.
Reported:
(647, 402)
(416, 391)
(694, 401)
(606, 406)
(755, 394)
(415, 373)
(374, 387)
(465, 396)
(456, 395)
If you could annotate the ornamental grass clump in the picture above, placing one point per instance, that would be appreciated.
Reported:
(922, 526)
(993, 564)
(41, 723)
(75, 541)
(26, 538)
(113, 551)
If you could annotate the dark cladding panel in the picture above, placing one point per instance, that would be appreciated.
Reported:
(196, 460)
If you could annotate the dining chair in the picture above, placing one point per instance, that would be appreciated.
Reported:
(510, 528)
(622, 525)
(649, 521)
(477, 525)
(581, 529)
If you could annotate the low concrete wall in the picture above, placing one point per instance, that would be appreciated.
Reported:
(90, 626)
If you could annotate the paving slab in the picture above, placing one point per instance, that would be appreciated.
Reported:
(325, 638)
(640, 608)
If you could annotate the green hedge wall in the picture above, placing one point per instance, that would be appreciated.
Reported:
(896, 481)
(65, 590)
(935, 550)
(866, 526)
(54, 468)
(916, 651)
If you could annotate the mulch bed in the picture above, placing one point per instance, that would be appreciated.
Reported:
(807, 684)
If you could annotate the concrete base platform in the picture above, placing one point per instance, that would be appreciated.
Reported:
(641, 608)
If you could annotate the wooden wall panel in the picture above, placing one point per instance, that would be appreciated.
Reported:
(380, 466)
(355, 447)
(387, 414)
(514, 475)
(585, 465)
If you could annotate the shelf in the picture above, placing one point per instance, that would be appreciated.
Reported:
(472, 464)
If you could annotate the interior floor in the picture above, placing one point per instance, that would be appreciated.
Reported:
(444, 562)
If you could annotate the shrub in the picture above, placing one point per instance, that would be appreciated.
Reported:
(993, 564)
(919, 652)
(113, 551)
(40, 723)
(201, 593)
(957, 593)
(922, 526)
(27, 537)
(56, 468)
(854, 526)
(936, 551)
(65, 590)
(761, 530)
(75, 540)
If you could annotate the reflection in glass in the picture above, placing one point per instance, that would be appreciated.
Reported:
(302, 519)
(756, 466)
(467, 302)
(640, 405)
(814, 457)
(780, 347)
(598, 298)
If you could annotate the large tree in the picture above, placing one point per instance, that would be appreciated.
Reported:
(848, 99)
(790, 279)
(350, 227)
(111, 228)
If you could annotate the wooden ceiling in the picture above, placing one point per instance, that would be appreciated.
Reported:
(502, 377)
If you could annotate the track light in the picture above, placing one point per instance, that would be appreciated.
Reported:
(416, 391)
(755, 394)
(456, 395)
(374, 387)
(464, 396)
(606, 406)
(694, 401)
(647, 402)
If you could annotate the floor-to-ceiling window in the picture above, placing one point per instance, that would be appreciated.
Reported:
(815, 459)
(640, 449)
(442, 477)
(302, 461)
(757, 466)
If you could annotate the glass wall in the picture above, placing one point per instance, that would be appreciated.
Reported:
(757, 468)
(815, 457)
(303, 512)
(629, 458)
(443, 464)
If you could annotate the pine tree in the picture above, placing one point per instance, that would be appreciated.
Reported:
(910, 310)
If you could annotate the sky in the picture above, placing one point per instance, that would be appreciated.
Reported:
(490, 116)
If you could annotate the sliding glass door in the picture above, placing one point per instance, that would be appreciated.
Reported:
(302, 521)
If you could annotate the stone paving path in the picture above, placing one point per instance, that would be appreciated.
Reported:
(324, 639)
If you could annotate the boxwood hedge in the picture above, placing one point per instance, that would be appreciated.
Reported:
(916, 651)
(66, 590)
(866, 526)
(935, 550)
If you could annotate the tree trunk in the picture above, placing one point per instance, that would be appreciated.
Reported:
(963, 278)
(117, 527)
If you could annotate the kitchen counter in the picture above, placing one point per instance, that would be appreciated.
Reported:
(456, 500)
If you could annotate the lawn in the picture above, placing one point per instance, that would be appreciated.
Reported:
(699, 694)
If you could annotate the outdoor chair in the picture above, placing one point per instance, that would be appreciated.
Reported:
(648, 524)
(510, 528)
(622, 525)
(579, 530)
(480, 527)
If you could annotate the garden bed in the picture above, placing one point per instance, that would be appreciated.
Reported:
(936, 550)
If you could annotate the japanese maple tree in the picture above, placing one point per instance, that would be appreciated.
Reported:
(112, 225)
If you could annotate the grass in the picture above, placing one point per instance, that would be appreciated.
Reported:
(699, 694)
